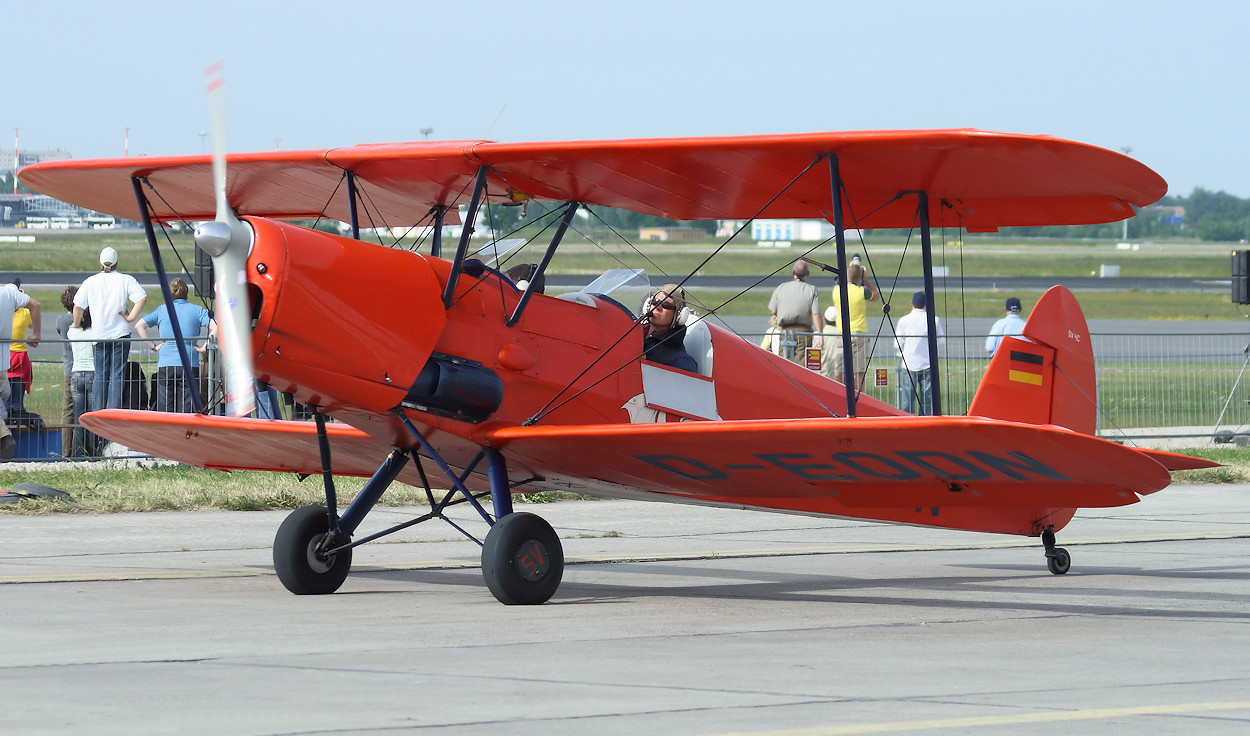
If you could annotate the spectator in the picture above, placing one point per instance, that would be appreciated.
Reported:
(914, 378)
(21, 374)
(63, 324)
(860, 291)
(267, 401)
(795, 308)
(106, 294)
(12, 299)
(1012, 324)
(173, 392)
(82, 375)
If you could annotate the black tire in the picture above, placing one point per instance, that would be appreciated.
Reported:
(1060, 562)
(522, 560)
(295, 557)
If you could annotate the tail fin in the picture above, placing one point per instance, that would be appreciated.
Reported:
(1047, 378)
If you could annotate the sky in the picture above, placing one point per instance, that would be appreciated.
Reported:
(1168, 80)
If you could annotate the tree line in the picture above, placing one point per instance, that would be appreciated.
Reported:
(1207, 215)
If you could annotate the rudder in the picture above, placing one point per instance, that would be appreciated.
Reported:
(1047, 378)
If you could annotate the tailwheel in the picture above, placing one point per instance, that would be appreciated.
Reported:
(522, 560)
(1057, 558)
(298, 558)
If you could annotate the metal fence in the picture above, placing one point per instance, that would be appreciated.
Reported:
(1149, 385)
(1175, 385)
(44, 425)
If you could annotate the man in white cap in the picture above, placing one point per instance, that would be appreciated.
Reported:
(12, 299)
(106, 295)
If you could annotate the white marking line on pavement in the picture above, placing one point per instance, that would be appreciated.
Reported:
(1089, 714)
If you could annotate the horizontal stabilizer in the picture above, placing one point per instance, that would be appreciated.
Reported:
(1173, 461)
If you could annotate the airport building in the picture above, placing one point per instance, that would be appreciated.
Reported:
(22, 209)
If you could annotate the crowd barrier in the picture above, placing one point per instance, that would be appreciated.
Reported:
(1158, 385)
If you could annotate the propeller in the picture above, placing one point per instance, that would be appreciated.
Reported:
(228, 241)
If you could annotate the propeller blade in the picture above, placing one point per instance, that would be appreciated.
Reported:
(229, 242)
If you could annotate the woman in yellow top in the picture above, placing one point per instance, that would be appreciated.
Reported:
(860, 291)
(20, 372)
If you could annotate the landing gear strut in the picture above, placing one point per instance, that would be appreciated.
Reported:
(522, 559)
(1057, 558)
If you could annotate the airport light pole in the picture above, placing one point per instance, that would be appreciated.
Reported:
(1127, 150)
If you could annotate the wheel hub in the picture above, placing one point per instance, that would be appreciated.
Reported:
(318, 561)
(532, 561)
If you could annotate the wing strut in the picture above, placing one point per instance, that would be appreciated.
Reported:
(926, 257)
(479, 189)
(844, 318)
(351, 204)
(542, 265)
(436, 243)
(197, 403)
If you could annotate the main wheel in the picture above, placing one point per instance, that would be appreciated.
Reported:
(522, 560)
(302, 569)
(1060, 561)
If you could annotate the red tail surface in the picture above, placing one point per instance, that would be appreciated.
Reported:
(1048, 377)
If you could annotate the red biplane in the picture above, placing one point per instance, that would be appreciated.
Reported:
(432, 361)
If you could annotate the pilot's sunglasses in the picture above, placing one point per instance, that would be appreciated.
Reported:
(667, 306)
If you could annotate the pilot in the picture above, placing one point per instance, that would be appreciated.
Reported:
(665, 339)
(523, 274)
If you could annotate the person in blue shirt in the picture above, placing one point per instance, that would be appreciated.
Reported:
(1012, 324)
(172, 392)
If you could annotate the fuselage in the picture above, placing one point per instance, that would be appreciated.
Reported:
(355, 328)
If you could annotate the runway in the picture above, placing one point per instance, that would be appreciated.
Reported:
(670, 620)
(905, 285)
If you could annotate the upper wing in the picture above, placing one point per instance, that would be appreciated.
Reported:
(982, 180)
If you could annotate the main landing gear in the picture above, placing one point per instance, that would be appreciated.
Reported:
(1057, 558)
(522, 559)
(300, 557)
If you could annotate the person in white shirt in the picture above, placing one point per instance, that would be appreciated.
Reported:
(1012, 324)
(106, 295)
(82, 375)
(914, 380)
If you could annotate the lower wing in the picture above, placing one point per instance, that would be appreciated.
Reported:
(973, 473)
(225, 443)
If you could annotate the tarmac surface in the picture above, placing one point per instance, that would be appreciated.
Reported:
(670, 620)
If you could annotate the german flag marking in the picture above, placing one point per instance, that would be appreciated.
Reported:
(1022, 377)
(1026, 367)
(1023, 357)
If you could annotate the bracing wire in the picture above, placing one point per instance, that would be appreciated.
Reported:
(552, 404)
